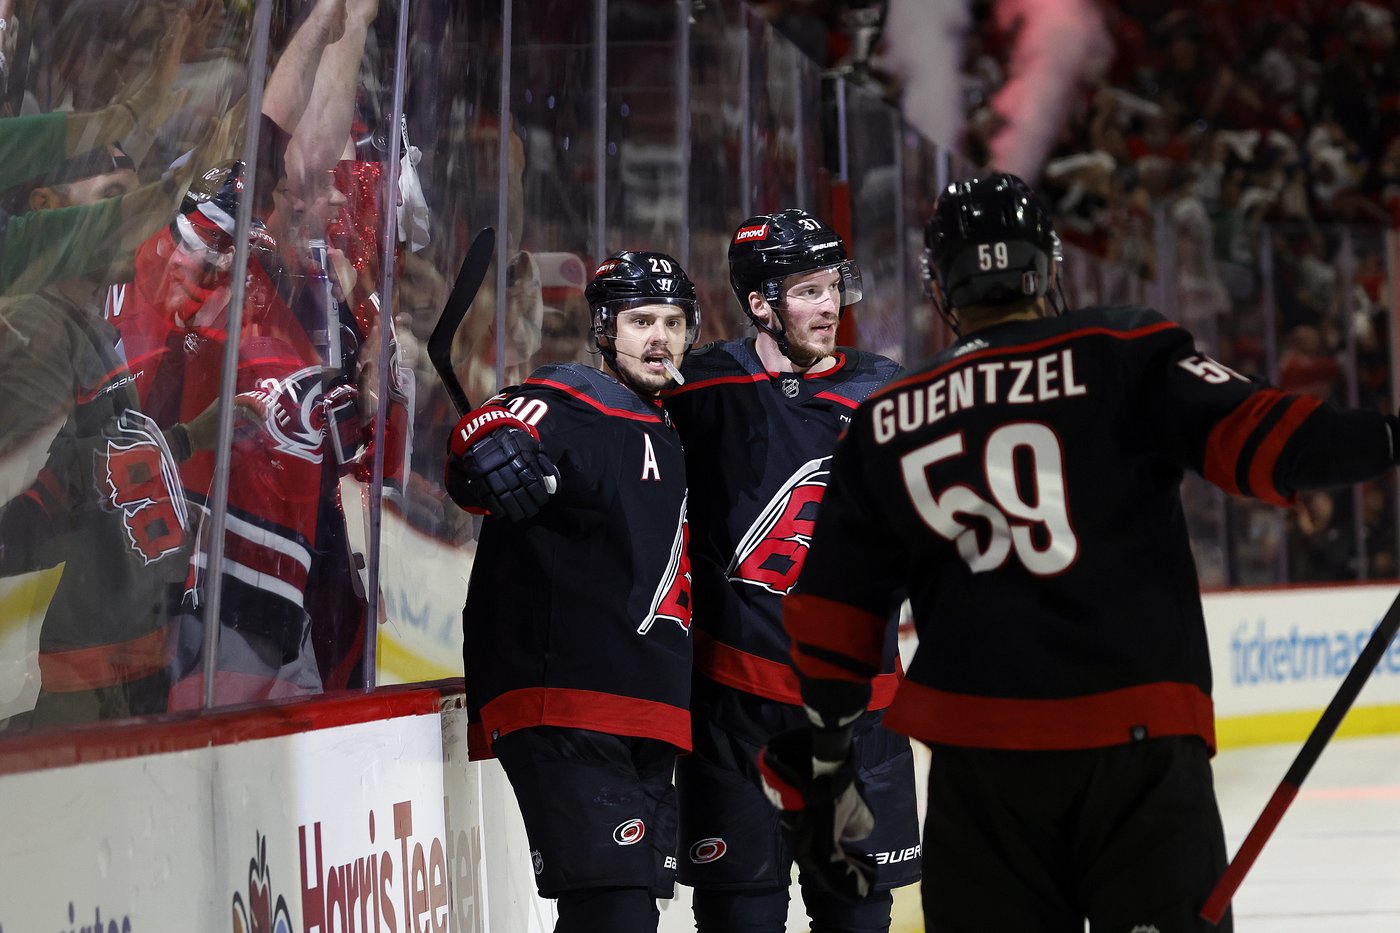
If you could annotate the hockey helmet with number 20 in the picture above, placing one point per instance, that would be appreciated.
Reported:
(633, 278)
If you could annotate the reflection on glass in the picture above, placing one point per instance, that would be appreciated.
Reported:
(121, 180)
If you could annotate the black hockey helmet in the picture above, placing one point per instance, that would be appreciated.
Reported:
(632, 278)
(208, 215)
(769, 247)
(989, 242)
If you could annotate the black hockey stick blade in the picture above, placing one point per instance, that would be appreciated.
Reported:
(1332, 716)
(469, 279)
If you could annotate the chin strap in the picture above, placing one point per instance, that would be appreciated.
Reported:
(950, 316)
(780, 337)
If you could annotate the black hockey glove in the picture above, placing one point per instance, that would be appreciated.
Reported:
(822, 810)
(495, 465)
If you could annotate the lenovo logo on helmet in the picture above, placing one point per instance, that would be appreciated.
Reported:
(605, 268)
(751, 233)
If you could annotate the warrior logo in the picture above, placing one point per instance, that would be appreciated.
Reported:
(629, 833)
(290, 410)
(672, 598)
(138, 475)
(771, 553)
(711, 849)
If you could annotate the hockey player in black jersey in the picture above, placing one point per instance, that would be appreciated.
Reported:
(576, 641)
(1023, 488)
(760, 417)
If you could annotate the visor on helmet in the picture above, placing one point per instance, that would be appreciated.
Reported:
(849, 283)
(605, 315)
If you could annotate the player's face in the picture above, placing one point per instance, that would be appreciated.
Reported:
(648, 337)
(193, 271)
(811, 311)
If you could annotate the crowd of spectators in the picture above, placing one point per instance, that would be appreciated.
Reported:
(1235, 161)
(1245, 156)
(121, 136)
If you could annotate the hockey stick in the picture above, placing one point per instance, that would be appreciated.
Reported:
(1287, 789)
(469, 279)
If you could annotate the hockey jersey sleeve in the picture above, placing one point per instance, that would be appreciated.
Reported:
(839, 612)
(1257, 440)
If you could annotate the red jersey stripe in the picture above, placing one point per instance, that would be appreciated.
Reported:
(836, 627)
(584, 709)
(593, 402)
(264, 560)
(1229, 444)
(103, 665)
(816, 668)
(720, 380)
(1095, 721)
(1261, 467)
(772, 680)
(932, 374)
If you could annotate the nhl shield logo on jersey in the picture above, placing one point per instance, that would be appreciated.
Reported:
(772, 551)
(790, 386)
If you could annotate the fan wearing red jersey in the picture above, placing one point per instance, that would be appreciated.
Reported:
(576, 630)
(1023, 490)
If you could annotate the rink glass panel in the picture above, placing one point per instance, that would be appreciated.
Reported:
(692, 120)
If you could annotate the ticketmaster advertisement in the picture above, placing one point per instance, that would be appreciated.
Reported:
(1278, 657)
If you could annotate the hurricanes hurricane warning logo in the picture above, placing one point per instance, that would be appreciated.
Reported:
(260, 912)
(772, 551)
(138, 478)
(672, 598)
(290, 410)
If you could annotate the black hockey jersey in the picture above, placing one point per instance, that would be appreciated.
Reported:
(758, 451)
(1025, 487)
(580, 616)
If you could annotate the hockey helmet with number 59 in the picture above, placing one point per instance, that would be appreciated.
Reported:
(989, 242)
(634, 278)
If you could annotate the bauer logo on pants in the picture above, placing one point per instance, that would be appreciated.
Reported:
(629, 833)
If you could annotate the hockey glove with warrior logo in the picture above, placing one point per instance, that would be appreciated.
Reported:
(495, 465)
(808, 774)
